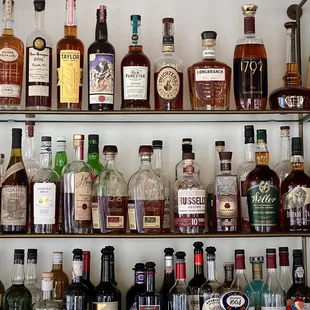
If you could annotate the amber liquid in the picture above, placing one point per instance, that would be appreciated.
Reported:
(61, 282)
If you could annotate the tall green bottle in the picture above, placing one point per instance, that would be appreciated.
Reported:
(93, 154)
(61, 155)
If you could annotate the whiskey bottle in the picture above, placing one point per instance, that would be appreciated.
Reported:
(292, 95)
(262, 186)
(228, 275)
(285, 273)
(101, 66)
(61, 155)
(11, 61)
(295, 191)
(39, 63)
(250, 66)
(135, 72)
(70, 60)
(14, 190)
(168, 73)
(209, 80)
(32, 276)
(93, 158)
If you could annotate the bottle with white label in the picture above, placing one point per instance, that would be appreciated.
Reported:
(136, 71)
(45, 193)
(39, 63)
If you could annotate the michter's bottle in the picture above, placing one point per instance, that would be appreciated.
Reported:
(262, 186)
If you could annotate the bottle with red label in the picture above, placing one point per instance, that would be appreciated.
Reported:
(190, 215)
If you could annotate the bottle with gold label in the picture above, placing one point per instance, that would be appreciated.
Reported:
(70, 55)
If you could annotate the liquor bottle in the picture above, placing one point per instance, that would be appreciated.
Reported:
(226, 213)
(294, 193)
(146, 205)
(111, 250)
(298, 295)
(86, 273)
(211, 290)
(2, 168)
(93, 158)
(17, 296)
(137, 288)
(149, 298)
(228, 275)
(257, 280)
(169, 277)
(14, 190)
(199, 278)
(76, 294)
(61, 155)
(47, 290)
(70, 60)
(158, 163)
(250, 66)
(179, 294)
(39, 63)
(285, 274)
(101, 66)
(29, 150)
(105, 293)
(292, 95)
(189, 200)
(45, 193)
(243, 171)
(61, 279)
(109, 197)
(76, 189)
(31, 275)
(272, 294)
(11, 61)
(168, 73)
(283, 168)
(209, 80)
(135, 72)
(262, 186)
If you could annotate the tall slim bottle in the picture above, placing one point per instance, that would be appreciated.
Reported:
(86, 273)
(101, 66)
(14, 190)
(111, 250)
(93, 158)
(285, 273)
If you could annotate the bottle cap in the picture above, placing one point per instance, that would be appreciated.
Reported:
(239, 252)
(39, 5)
(30, 123)
(219, 143)
(225, 155)
(150, 265)
(187, 140)
(229, 264)
(168, 251)
(168, 20)
(61, 139)
(157, 144)
(17, 131)
(105, 252)
(211, 250)
(249, 134)
(137, 16)
(180, 255)
(77, 252)
(297, 253)
(198, 244)
(19, 252)
(46, 138)
(93, 139)
(283, 249)
(290, 25)
(86, 254)
(2, 156)
(297, 146)
(205, 35)
(139, 266)
(32, 254)
(79, 137)
(110, 248)
(110, 149)
(271, 251)
(57, 258)
(146, 149)
(261, 135)
(256, 259)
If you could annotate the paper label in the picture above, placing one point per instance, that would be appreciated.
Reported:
(212, 303)
(227, 207)
(115, 221)
(8, 54)
(82, 196)
(168, 83)
(135, 83)
(10, 90)
(38, 90)
(214, 74)
(95, 215)
(77, 269)
(39, 61)
(47, 285)
(105, 305)
(13, 169)
(151, 221)
(191, 201)
(167, 220)
(132, 216)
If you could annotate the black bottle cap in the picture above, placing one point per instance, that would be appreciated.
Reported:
(225, 155)
(211, 250)
(139, 267)
(93, 139)
(110, 248)
(187, 140)
(32, 254)
(208, 35)
(283, 249)
(261, 135)
(297, 253)
(290, 25)
(17, 131)
(285, 128)
(157, 144)
(239, 252)
(19, 252)
(256, 259)
(46, 138)
(249, 134)
(297, 146)
(180, 255)
(198, 245)
(168, 251)
(187, 148)
(105, 252)
(150, 265)
(2, 156)
(110, 149)
(271, 251)
(219, 143)
(77, 252)
(39, 5)
(139, 17)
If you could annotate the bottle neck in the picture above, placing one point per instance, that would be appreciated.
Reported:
(181, 270)
(31, 271)
(150, 281)
(110, 161)
(112, 269)
(29, 147)
(257, 271)
(249, 26)
(46, 160)
(86, 269)
(57, 266)
(135, 36)
(169, 266)
(198, 264)
(285, 146)
(39, 20)
(57, 261)
(77, 271)
(47, 289)
(102, 28)
(145, 162)
(284, 261)
(297, 163)
(249, 152)
(262, 154)
(70, 29)
(139, 277)
(298, 271)
(208, 49)
(8, 17)
(157, 163)
(93, 152)
(105, 269)
(229, 273)
(225, 167)
(18, 275)
(211, 267)
(78, 152)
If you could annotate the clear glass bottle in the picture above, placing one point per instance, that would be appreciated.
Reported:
(109, 197)
(146, 196)
(77, 190)
(47, 291)
(283, 168)
(61, 155)
(228, 275)
(168, 73)
(243, 171)
(285, 273)
(2, 168)
(158, 168)
(93, 158)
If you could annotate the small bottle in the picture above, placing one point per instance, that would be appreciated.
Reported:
(158, 163)
(18, 288)
(31, 275)
(2, 168)
(135, 72)
(39, 63)
(12, 61)
(101, 66)
(93, 158)
(169, 277)
(137, 288)
(226, 211)
(111, 250)
(47, 291)
(272, 294)
(209, 80)
(145, 205)
(228, 275)
(76, 189)
(283, 168)
(61, 279)
(285, 274)
(86, 274)
(168, 73)
(189, 219)
(61, 155)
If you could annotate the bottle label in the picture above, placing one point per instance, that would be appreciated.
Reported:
(115, 222)
(70, 76)
(167, 219)
(194, 301)
(47, 285)
(10, 90)
(13, 169)
(14, 205)
(101, 78)
(192, 201)
(202, 75)
(95, 215)
(105, 305)
(151, 221)
(276, 308)
(235, 300)
(57, 258)
(139, 277)
(44, 201)
(38, 90)
(8, 54)
(82, 196)
(77, 269)
(132, 215)
(168, 83)
(227, 210)
(212, 303)
(135, 82)
(250, 79)
(244, 205)
(149, 307)
(263, 200)
(189, 221)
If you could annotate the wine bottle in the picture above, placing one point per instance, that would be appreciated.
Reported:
(86, 274)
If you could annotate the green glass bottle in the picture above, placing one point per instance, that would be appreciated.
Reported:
(61, 155)
(93, 154)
